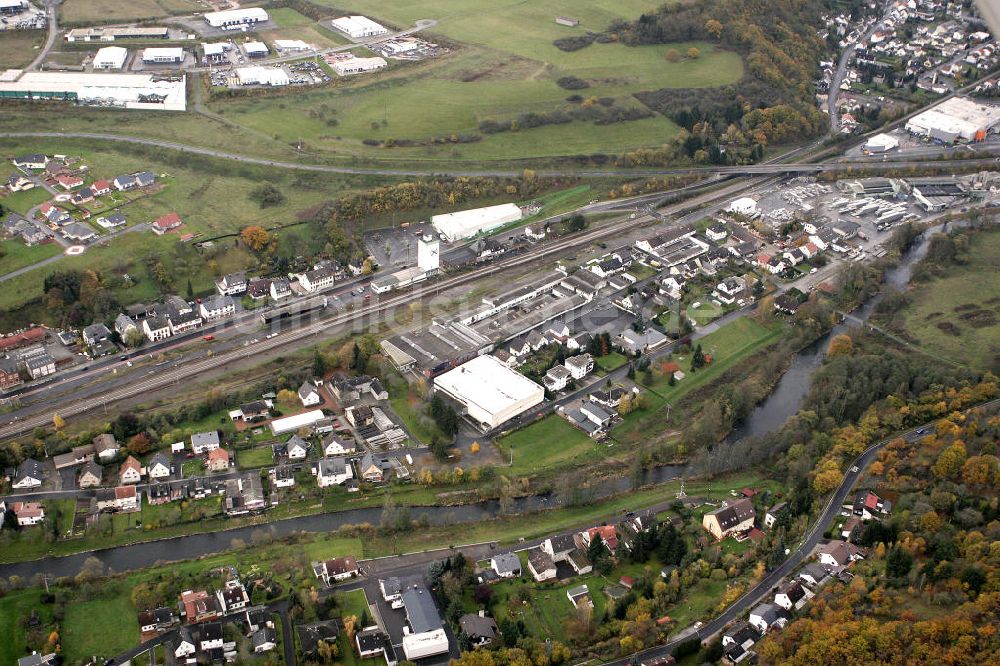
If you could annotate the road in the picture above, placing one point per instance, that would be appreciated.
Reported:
(838, 76)
(53, 24)
(59, 257)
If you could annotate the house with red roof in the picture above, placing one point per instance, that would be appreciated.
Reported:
(608, 534)
(100, 187)
(166, 223)
(68, 182)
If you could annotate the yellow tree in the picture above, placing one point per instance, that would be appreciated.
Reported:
(57, 422)
(693, 53)
(255, 237)
(713, 27)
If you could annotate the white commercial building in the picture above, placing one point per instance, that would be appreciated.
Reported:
(110, 57)
(428, 253)
(236, 17)
(291, 45)
(881, 143)
(490, 391)
(255, 49)
(262, 76)
(424, 634)
(743, 206)
(358, 27)
(163, 55)
(293, 423)
(954, 119)
(129, 91)
(358, 65)
(468, 223)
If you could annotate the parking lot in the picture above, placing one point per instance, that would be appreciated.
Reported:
(396, 247)
(30, 19)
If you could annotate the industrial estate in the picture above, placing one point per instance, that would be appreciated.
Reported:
(468, 334)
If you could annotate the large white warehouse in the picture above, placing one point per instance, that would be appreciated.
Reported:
(163, 55)
(468, 223)
(130, 91)
(958, 118)
(358, 65)
(490, 391)
(359, 27)
(110, 57)
(262, 76)
(236, 17)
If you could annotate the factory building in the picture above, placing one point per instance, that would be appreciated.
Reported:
(163, 55)
(358, 27)
(236, 18)
(358, 65)
(880, 143)
(215, 52)
(291, 45)
(489, 390)
(113, 34)
(468, 223)
(129, 91)
(110, 57)
(262, 76)
(955, 119)
(255, 49)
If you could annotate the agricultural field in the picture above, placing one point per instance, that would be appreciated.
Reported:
(18, 47)
(957, 316)
(105, 626)
(85, 12)
(293, 25)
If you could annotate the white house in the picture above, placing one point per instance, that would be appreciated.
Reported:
(203, 442)
(335, 446)
(556, 378)
(333, 472)
(580, 366)
(296, 448)
(840, 554)
(156, 328)
(159, 467)
(185, 644)
(232, 284)
(309, 395)
(28, 513)
(217, 307)
(765, 616)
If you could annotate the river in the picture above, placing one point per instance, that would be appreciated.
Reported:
(784, 401)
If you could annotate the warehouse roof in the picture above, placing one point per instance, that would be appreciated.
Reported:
(293, 423)
(489, 383)
(465, 223)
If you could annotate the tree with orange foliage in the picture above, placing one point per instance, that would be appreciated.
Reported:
(840, 345)
(255, 237)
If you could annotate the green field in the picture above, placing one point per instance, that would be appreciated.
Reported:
(612, 361)
(14, 254)
(107, 11)
(550, 442)
(103, 627)
(19, 47)
(257, 457)
(957, 316)
(22, 202)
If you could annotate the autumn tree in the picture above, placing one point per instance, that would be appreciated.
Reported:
(140, 444)
(714, 28)
(693, 53)
(255, 237)
(949, 464)
(57, 422)
(840, 345)
(672, 55)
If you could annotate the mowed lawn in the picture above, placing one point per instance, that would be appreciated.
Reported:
(545, 444)
(103, 11)
(505, 65)
(103, 627)
(14, 254)
(260, 456)
(958, 316)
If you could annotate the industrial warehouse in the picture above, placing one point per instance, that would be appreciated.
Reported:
(467, 223)
(490, 392)
(128, 91)
(235, 19)
(955, 119)
(358, 27)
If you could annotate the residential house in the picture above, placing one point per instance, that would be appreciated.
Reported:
(333, 472)
(90, 475)
(318, 278)
(28, 475)
(32, 161)
(579, 561)
(255, 410)
(334, 445)
(166, 223)
(245, 494)
(766, 616)
(10, 375)
(95, 333)
(232, 597)
(281, 476)
(183, 321)
(608, 399)
(732, 517)
(77, 456)
(258, 289)
(124, 324)
(264, 640)
(580, 366)
(122, 498)
(296, 448)
(791, 595)
(730, 290)
(232, 284)
(157, 619)
(156, 328)
(392, 591)
(28, 513)
(159, 466)
(185, 645)
(106, 447)
(607, 533)
(839, 554)
(68, 181)
(478, 628)
(203, 442)
(371, 643)
(337, 569)
(217, 307)
(741, 634)
(541, 565)
(210, 637)
(633, 342)
(557, 378)
(218, 460)
(717, 232)
(309, 394)
(86, 195)
(130, 471)
(813, 574)
(868, 505)
(506, 565)
(371, 470)
(144, 178)
(54, 214)
(596, 414)
(579, 596)
(280, 288)
(559, 547)
(100, 187)
(774, 513)
(123, 183)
